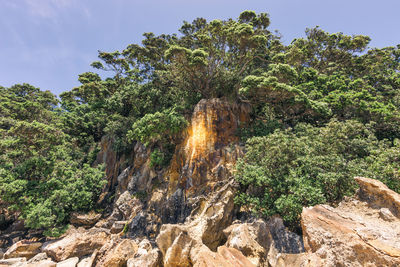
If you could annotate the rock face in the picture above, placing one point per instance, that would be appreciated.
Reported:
(355, 232)
(206, 155)
(116, 253)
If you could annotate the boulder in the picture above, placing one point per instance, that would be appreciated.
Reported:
(23, 248)
(225, 257)
(118, 226)
(116, 253)
(71, 262)
(252, 239)
(149, 258)
(355, 232)
(11, 261)
(76, 244)
(85, 220)
(88, 261)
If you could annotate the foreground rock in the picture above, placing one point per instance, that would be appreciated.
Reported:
(85, 220)
(355, 233)
(23, 248)
(77, 243)
(116, 253)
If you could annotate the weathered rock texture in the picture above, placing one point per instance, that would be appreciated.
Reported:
(209, 151)
(77, 243)
(355, 233)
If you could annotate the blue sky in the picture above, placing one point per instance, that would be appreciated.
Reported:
(49, 42)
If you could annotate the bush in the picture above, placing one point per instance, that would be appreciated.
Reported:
(304, 166)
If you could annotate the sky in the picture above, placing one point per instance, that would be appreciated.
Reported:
(48, 43)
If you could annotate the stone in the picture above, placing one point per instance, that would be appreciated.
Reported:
(88, 261)
(38, 257)
(349, 234)
(377, 193)
(225, 257)
(118, 226)
(252, 239)
(116, 253)
(11, 261)
(209, 151)
(152, 258)
(386, 215)
(76, 244)
(204, 228)
(23, 248)
(71, 262)
(85, 220)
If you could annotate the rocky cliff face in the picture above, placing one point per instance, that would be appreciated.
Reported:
(184, 215)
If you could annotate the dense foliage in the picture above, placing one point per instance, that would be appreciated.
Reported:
(41, 172)
(324, 108)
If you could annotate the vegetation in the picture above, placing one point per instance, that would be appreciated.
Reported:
(324, 108)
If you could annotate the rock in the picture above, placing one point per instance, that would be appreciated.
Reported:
(43, 263)
(263, 242)
(118, 226)
(378, 194)
(125, 208)
(12, 261)
(85, 220)
(38, 257)
(283, 240)
(76, 244)
(116, 253)
(204, 228)
(153, 258)
(88, 261)
(352, 233)
(386, 215)
(71, 262)
(209, 151)
(225, 257)
(252, 239)
(23, 248)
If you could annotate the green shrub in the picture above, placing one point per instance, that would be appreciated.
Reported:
(304, 166)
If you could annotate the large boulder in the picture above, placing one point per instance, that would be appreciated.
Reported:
(355, 233)
(146, 256)
(84, 219)
(116, 253)
(76, 243)
(23, 248)
(264, 243)
(224, 257)
(203, 229)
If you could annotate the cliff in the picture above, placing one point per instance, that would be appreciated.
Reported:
(184, 214)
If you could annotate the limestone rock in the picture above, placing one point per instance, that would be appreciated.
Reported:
(378, 194)
(354, 232)
(118, 227)
(11, 261)
(146, 256)
(88, 261)
(85, 220)
(23, 248)
(71, 262)
(116, 253)
(252, 239)
(203, 229)
(208, 153)
(225, 257)
(76, 244)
